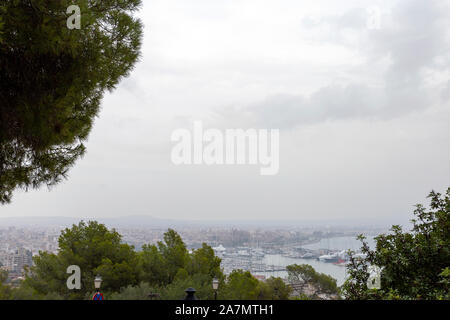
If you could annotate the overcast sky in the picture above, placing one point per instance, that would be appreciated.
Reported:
(362, 105)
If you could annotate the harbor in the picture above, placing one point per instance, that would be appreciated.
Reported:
(328, 256)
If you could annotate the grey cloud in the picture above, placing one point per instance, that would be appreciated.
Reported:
(412, 41)
(418, 35)
(331, 103)
(354, 19)
(446, 92)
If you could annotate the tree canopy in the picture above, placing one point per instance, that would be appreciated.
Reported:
(304, 276)
(241, 285)
(52, 80)
(96, 250)
(167, 268)
(415, 264)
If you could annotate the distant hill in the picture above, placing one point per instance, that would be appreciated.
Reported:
(131, 221)
(145, 221)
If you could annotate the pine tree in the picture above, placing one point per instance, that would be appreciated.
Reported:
(52, 80)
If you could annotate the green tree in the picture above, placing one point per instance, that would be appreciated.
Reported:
(139, 292)
(174, 253)
(96, 250)
(304, 276)
(413, 263)
(176, 290)
(303, 273)
(277, 289)
(445, 282)
(204, 261)
(241, 285)
(5, 290)
(152, 266)
(52, 80)
(326, 284)
(169, 265)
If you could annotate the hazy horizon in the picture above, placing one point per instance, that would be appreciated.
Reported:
(149, 221)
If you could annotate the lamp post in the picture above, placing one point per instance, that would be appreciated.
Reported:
(97, 283)
(215, 285)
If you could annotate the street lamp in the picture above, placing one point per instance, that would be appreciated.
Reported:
(97, 282)
(215, 285)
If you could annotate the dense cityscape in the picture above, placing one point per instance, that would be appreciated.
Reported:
(245, 248)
